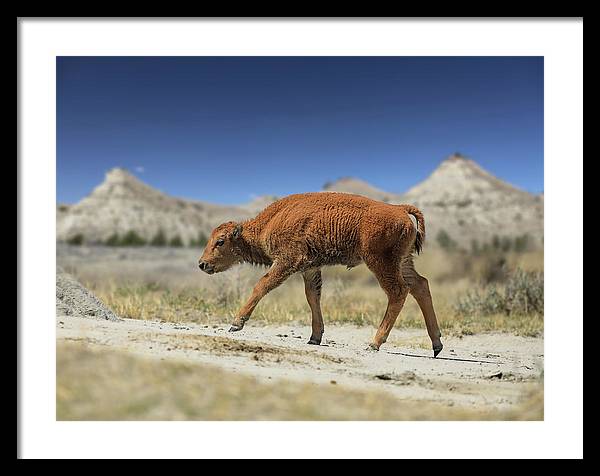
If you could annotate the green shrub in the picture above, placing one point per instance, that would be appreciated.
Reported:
(494, 268)
(113, 240)
(496, 242)
(131, 238)
(76, 239)
(521, 294)
(200, 241)
(522, 243)
(176, 242)
(506, 244)
(445, 241)
(159, 239)
(475, 248)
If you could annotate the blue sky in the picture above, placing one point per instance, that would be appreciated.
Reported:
(224, 129)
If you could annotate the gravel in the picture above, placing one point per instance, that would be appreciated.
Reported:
(72, 299)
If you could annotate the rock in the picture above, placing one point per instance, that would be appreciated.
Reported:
(383, 377)
(497, 375)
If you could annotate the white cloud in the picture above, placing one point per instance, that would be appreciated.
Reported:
(140, 169)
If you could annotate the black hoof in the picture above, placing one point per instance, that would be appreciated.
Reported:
(235, 328)
(314, 342)
(437, 350)
(372, 348)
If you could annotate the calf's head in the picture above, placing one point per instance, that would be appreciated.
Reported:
(219, 254)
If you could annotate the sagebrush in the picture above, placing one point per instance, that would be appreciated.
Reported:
(522, 293)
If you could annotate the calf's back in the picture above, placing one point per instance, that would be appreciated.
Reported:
(325, 228)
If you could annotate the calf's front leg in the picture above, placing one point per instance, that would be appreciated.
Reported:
(273, 278)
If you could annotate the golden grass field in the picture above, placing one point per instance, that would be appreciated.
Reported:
(349, 296)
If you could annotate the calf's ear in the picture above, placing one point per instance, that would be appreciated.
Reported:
(237, 231)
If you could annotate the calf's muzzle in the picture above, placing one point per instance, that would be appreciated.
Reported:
(207, 268)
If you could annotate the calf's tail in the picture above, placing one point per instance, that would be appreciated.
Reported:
(420, 239)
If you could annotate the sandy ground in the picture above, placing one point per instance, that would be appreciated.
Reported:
(486, 371)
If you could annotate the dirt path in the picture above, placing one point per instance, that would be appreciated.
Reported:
(487, 371)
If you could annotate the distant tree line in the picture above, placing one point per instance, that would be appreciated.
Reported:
(133, 239)
(76, 239)
(498, 243)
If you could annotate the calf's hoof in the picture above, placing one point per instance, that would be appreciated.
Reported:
(372, 348)
(235, 328)
(314, 341)
(437, 348)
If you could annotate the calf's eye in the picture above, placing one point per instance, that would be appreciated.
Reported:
(220, 242)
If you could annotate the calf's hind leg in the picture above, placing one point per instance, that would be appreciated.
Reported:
(391, 281)
(419, 288)
(312, 288)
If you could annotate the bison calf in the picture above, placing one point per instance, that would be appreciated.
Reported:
(301, 233)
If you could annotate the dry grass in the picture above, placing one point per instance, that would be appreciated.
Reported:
(166, 285)
(101, 384)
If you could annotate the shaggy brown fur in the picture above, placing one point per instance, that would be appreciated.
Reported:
(301, 233)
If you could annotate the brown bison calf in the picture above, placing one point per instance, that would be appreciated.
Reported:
(302, 233)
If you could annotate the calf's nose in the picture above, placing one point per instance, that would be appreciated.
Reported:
(201, 265)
